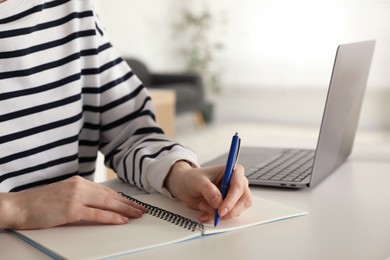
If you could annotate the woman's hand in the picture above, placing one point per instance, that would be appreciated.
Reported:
(198, 188)
(68, 201)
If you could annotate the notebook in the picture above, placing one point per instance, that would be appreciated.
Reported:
(167, 221)
(300, 168)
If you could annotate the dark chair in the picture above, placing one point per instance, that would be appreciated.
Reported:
(188, 87)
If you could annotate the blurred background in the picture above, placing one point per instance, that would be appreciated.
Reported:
(266, 61)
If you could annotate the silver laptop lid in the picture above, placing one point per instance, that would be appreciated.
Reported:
(342, 108)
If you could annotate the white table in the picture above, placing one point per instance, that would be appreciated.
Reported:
(349, 218)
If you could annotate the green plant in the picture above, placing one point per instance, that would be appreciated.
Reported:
(199, 46)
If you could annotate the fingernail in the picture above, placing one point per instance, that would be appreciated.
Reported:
(139, 212)
(224, 212)
(204, 218)
(124, 220)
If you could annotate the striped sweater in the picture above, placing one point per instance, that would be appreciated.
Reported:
(65, 94)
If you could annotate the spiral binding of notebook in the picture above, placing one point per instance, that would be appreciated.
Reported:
(167, 215)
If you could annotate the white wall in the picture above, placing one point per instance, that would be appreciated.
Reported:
(292, 43)
(142, 29)
(269, 44)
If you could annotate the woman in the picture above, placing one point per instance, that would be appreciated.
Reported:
(65, 94)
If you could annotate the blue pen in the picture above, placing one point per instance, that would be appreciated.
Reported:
(230, 166)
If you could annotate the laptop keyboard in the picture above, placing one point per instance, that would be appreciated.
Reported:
(292, 165)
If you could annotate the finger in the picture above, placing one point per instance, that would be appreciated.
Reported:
(206, 217)
(230, 201)
(97, 196)
(102, 216)
(127, 201)
(123, 209)
(106, 200)
(238, 186)
(244, 203)
(213, 197)
(210, 188)
(205, 207)
(211, 194)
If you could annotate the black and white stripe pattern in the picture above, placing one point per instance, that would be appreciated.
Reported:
(64, 94)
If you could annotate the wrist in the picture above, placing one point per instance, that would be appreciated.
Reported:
(175, 174)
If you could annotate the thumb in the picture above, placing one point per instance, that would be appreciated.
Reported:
(211, 194)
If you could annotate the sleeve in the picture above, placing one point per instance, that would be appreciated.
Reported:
(134, 146)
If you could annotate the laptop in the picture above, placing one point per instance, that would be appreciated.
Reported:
(302, 168)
